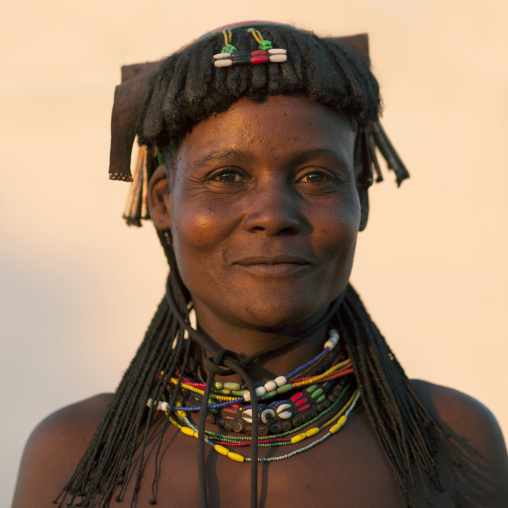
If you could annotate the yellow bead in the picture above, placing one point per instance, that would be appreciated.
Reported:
(312, 432)
(236, 456)
(339, 424)
(188, 431)
(298, 438)
(181, 414)
(221, 449)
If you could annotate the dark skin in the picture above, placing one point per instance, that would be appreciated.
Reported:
(264, 209)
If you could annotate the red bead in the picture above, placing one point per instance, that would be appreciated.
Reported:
(259, 57)
(296, 396)
(304, 408)
(301, 402)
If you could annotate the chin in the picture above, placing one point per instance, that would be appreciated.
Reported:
(271, 315)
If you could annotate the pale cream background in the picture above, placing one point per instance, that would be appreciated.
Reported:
(78, 288)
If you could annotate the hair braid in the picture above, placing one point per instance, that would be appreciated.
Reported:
(395, 411)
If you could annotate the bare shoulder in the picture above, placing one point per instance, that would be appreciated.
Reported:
(53, 451)
(477, 441)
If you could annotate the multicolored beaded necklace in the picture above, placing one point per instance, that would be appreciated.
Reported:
(317, 396)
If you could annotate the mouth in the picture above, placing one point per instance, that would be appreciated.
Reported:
(282, 265)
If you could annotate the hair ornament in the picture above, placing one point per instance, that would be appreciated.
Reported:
(263, 45)
(389, 153)
(265, 53)
(136, 205)
(277, 55)
(224, 58)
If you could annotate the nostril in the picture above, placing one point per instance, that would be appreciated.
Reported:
(275, 212)
(289, 231)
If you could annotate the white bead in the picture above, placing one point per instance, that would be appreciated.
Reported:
(260, 391)
(283, 408)
(246, 396)
(270, 386)
(163, 406)
(193, 319)
(265, 413)
(329, 344)
(285, 415)
(277, 58)
(277, 51)
(280, 381)
(221, 56)
(334, 333)
(223, 63)
(247, 415)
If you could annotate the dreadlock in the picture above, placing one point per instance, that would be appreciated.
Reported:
(186, 90)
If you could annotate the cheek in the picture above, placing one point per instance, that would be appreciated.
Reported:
(199, 234)
(195, 229)
(336, 239)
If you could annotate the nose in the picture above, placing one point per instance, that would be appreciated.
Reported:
(274, 209)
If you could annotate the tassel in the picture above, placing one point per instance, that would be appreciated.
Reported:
(136, 205)
(388, 152)
(371, 144)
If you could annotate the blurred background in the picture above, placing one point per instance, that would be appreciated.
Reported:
(78, 288)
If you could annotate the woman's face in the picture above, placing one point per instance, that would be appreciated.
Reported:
(264, 211)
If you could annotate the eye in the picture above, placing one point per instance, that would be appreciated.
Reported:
(227, 176)
(313, 178)
(316, 176)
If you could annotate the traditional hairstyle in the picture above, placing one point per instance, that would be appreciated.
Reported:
(179, 93)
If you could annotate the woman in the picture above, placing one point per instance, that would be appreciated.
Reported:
(260, 145)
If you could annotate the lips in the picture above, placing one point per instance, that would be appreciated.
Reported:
(278, 266)
(273, 260)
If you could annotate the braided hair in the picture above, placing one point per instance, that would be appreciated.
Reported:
(186, 90)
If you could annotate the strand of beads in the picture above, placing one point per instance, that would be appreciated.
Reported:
(342, 416)
(279, 416)
(333, 409)
(277, 386)
(280, 384)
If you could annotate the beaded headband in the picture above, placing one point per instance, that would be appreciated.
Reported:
(128, 104)
(265, 54)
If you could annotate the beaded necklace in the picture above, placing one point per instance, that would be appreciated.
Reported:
(302, 407)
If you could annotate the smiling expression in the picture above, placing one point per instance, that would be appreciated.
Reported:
(264, 211)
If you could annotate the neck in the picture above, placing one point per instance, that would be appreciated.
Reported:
(248, 341)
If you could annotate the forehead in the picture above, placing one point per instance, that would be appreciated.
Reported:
(274, 127)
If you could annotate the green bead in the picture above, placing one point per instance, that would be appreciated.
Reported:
(285, 388)
(323, 397)
(311, 388)
(240, 393)
(264, 45)
(317, 393)
(225, 392)
(269, 395)
(217, 385)
(231, 386)
(229, 49)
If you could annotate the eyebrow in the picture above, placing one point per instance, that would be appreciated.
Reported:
(337, 156)
(222, 155)
(298, 158)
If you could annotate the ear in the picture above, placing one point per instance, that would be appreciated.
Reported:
(363, 192)
(158, 199)
(364, 207)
